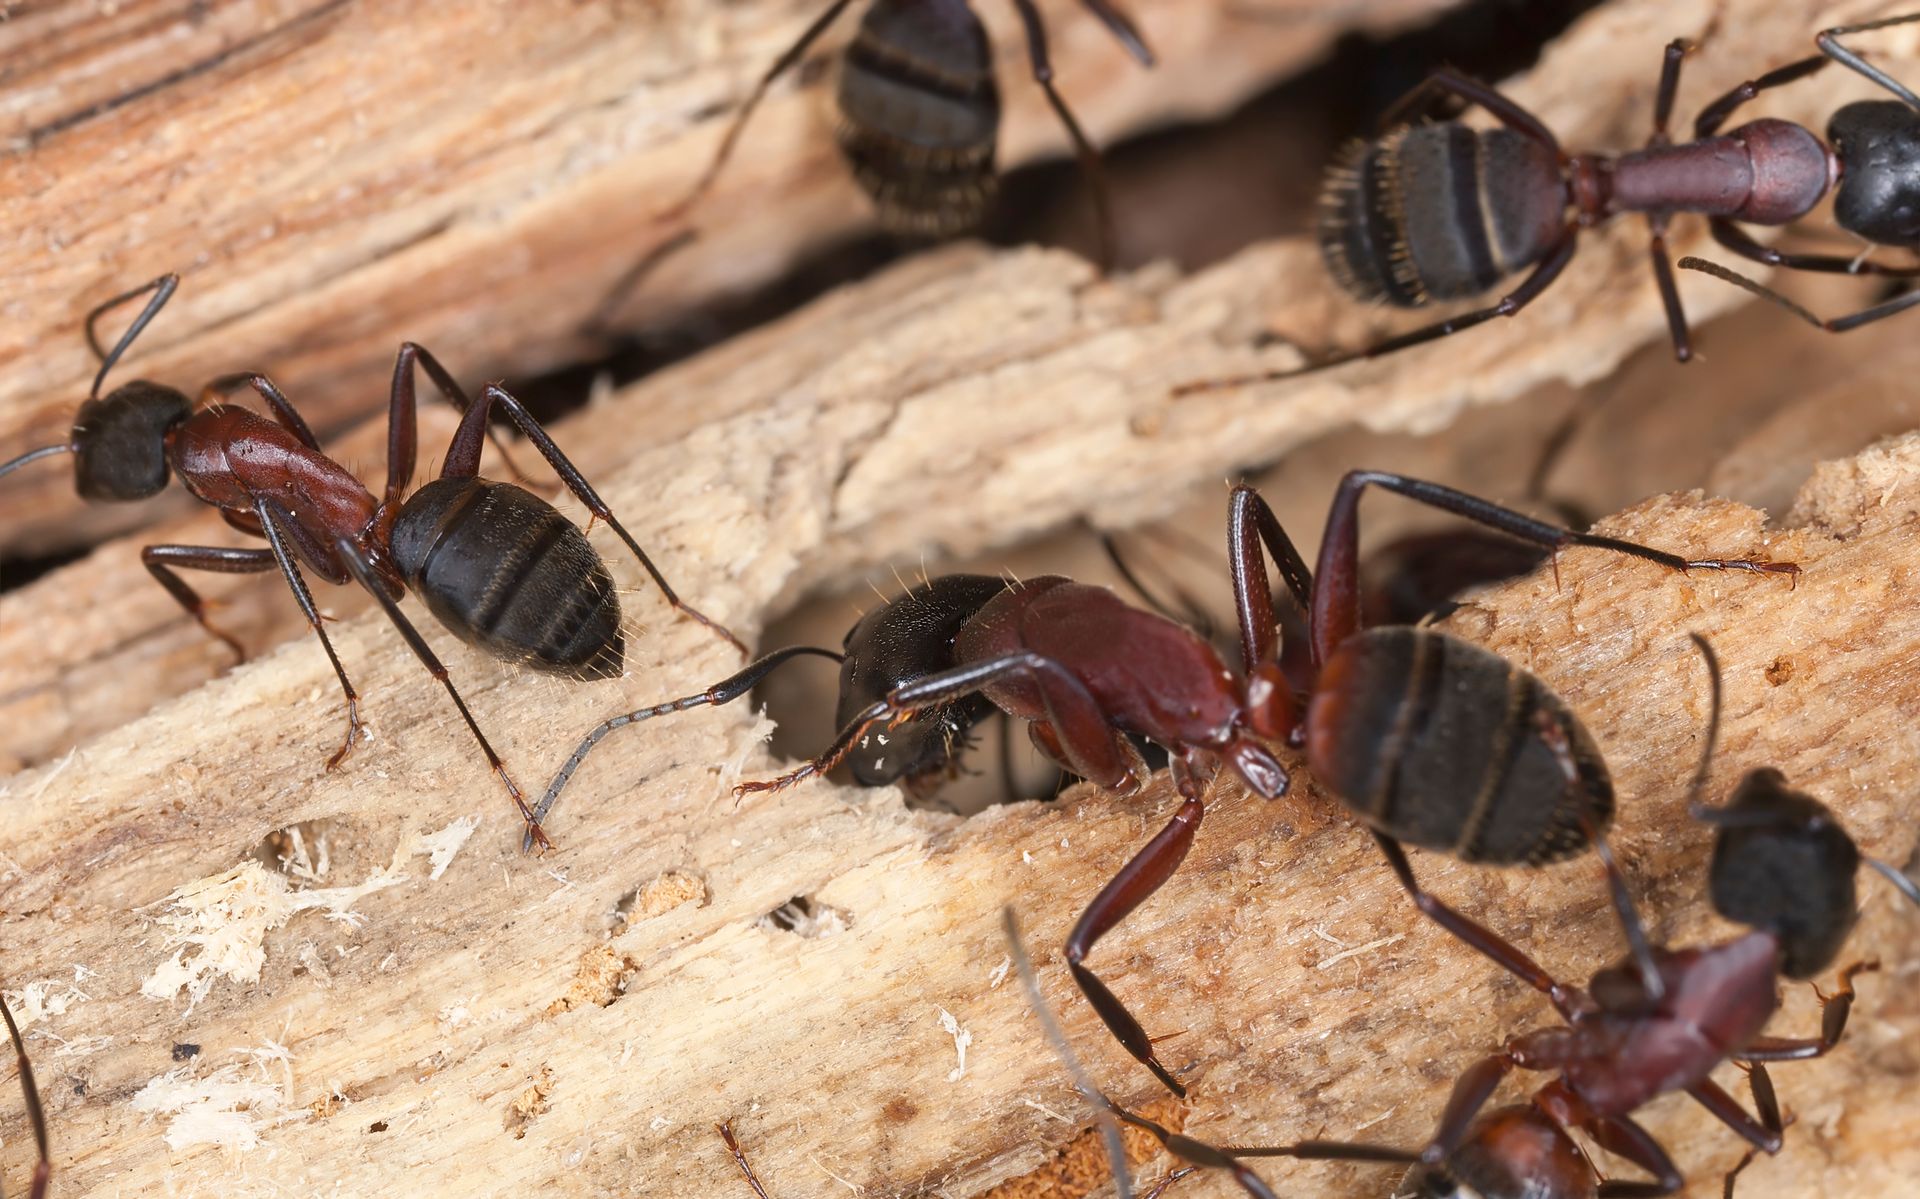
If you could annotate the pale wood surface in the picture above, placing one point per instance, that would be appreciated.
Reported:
(878, 423)
(1073, 369)
(456, 1000)
(331, 177)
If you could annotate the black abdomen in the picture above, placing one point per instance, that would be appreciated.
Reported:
(503, 570)
(1437, 212)
(1441, 744)
(920, 113)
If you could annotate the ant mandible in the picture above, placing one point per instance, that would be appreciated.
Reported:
(1784, 868)
(496, 564)
(920, 111)
(1443, 211)
(36, 1116)
(1430, 739)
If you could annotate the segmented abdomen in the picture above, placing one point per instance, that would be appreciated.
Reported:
(504, 571)
(1444, 745)
(1438, 212)
(919, 115)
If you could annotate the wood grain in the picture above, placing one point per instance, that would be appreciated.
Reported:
(332, 177)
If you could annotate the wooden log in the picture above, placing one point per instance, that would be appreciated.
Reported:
(332, 177)
(970, 365)
(575, 1024)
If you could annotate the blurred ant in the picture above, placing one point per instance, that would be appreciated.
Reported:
(920, 111)
(1429, 739)
(43, 1168)
(1877, 143)
(1786, 870)
(496, 564)
(1443, 211)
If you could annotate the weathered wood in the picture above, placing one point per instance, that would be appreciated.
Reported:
(331, 177)
(1073, 370)
(575, 1024)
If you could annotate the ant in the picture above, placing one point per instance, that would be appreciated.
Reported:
(920, 111)
(1786, 870)
(496, 564)
(1429, 739)
(43, 1167)
(1443, 211)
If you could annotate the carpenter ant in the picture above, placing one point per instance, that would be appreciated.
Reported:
(36, 1116)
(1443, 211)
(1783, 862)
(1621, 1046)
(920, 111)
(1429, 739)
(499, 566)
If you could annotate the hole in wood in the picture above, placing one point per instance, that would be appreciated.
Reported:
(805, 916)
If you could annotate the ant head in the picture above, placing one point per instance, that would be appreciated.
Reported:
(902, 642)
(120, 441)
(1783, 864)
(1878, 145)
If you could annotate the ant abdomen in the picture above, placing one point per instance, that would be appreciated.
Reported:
(919, 115)
(120, 441)
(1438, 212)
(908, 639)
(1441, 744)
(504, 571)
(1512, 1152)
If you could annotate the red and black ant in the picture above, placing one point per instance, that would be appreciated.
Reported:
(1429, 739)
(920, 110)
(1781, 865)
(1443, 211)
(36, 1116)
(496, 564)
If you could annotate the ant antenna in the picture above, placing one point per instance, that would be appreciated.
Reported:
(1901, 880)
(1695, 808)
(1105, 1109)
(162, 289)
(1829, 43)
(45, 451)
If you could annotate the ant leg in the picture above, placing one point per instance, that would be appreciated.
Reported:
(43, 1169)
(1762, 1134)
(1529, 290)
(576, 483)
(1840, 324)
(1085, 734)
(780, 66)
(723, 692)
(1471, 932)
(161, 560)
(1829, 43)
(1676, 53)
(1448, 82)
(403, 429)
(1898, 878)
(1715, 114)
(1083, 149)
(725, 1129)
(162, 289)
(1834, 1010)
(1335, 610)
(1122, 27)
(1136, 882)
(223, 388)
(271, 518)
(1251, 522)
(1734, 238)
(362, 572)
(599, 322)
(1669, 293)
(1620, 1135)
